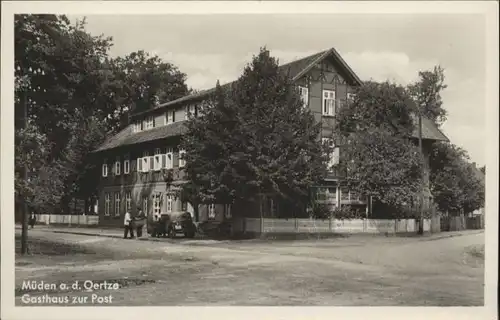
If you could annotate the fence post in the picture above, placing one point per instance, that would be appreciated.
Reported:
(330, 223)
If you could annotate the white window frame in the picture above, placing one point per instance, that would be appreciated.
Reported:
(145, 164)
(107, 204)
(190, 111)
(138, 126)
(182, 161)
(169, 158)
(117, 203)
(351, 96)
(170, 202)
(157, 203)
(126, 165)
(328, 103)
(145, 204)
(149, 123)
(333, 157)
(128, 201)
(227, 211)
(157, 162)
(170, 116)
(104, 170)
(211, 211)
(117, 167)
(304, 95)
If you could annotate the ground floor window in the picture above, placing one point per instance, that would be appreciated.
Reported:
(157, 203)
(145, 204)
(117, 203)
(169, 202)
(211, 211)
(184, 206)
(128, 201)
(227, 211)
(107, 204)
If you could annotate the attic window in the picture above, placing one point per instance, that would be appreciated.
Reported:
(148, 123)
(304, 95)
(138, 126)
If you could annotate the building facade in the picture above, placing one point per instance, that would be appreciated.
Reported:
(142, 166)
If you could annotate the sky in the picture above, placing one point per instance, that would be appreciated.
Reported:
(379, 47)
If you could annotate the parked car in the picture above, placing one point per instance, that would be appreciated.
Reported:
(172, 224)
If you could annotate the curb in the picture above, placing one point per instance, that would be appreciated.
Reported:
(422, 238)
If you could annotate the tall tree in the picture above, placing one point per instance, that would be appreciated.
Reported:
(373, 132)
(427, 94)
(147, 80)
(253, 138)
(455, 184)
(75, 95)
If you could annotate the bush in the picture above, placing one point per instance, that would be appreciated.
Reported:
(347, 212)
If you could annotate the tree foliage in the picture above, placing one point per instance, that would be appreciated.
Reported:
(75, 95)
(254, 137)
(427, 94)
(373, 133)
(455, 184)
(147, 80)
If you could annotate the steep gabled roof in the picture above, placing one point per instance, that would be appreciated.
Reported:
(295, 69)
(127, 137)
(429, 130)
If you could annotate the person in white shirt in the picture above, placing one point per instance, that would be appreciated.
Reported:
(127, 224)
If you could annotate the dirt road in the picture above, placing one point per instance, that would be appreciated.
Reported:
(333, 272)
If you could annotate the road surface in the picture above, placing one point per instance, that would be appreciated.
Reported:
(354, 271)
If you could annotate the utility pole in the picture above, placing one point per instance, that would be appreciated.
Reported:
(24, 216)
(421, 153)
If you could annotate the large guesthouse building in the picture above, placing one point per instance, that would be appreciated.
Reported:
(142, 165)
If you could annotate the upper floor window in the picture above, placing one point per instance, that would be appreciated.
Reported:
(169, 161)
(182, 161)
(170, 116)
(149, 123)
(333, 156)
(328, 102)
(351, 96)
(190, 111)
(104, 169)
(304, 95)
(157, 159)
(117, 166)
(137, 126)
(126, 165)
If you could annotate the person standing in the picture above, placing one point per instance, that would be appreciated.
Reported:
(32, 220)
(127, 224)
(140, 224)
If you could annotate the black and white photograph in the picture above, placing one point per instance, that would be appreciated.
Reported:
(251, 154)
